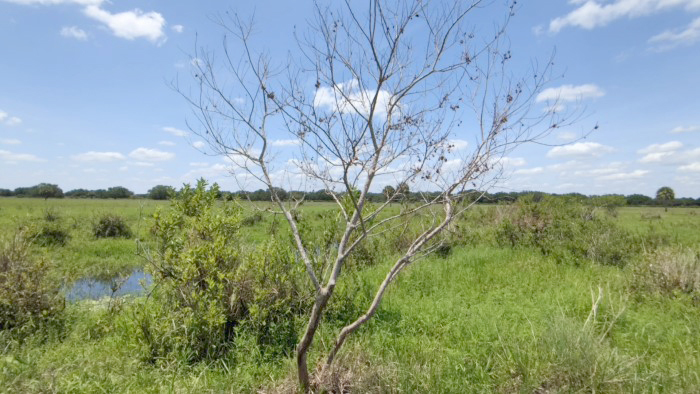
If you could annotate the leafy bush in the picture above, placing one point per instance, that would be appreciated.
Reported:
(111, 226)
(51, 234)
(206, 287)
(27, 294)
(566, 230)
(672, 269)
(252, 220)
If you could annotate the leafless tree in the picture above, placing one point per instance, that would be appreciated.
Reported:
(378, 92)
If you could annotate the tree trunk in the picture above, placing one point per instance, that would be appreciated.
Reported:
(305, 343)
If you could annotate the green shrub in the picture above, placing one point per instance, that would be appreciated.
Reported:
(252, 220)
(207, 287)
(28, 296)
(111, 226)
(566, 230)
(671, 269)
(51, 234)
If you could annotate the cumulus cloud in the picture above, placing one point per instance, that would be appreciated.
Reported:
(283, 143)
(142, 164)
(512, 161)
(529, 171)
(55, 2)
(348, 97)
(570, 93)
(10, 141)
(145, 154)
(98, 156)
(175, 132)
(658, 153)
(592, 13)
(670, 39)
(166, 143)
(199, 164)
(3, 115)
(566, 135)
(199, 144)
(11, 157)
(13, 121)
(127, 24)
(74, 32)
(621, 176)
(666, 147)
(580, 149)
(692, 167)
(458, 144)
(130, 24)
(685, 129)
(178, 28)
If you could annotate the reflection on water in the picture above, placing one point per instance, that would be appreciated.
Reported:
(94, 289)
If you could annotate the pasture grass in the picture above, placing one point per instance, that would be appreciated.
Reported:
(481, 319)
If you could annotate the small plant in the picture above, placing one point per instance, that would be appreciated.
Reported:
(28, 297)
(51, 235)
(251, 220)
(51, 214)
(111, 226)
(207, 287)
(672, 269)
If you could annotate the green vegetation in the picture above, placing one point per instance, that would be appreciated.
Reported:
(548, 294)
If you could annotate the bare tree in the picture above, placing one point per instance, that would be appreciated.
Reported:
(379, 92)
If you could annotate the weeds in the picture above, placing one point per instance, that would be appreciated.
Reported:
(28, 296)
(111, 226)
(671, 269)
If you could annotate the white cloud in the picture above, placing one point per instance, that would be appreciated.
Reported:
(10, 141)
(74, 32)
(555, 109)
(175, 132)
(570, 93)
(142, 164)
(685, 129)
(580, 149)
(592, 13)
(348, 97)
(145, 154)
(55, 2)
(166, 143)
(512, 161)
(13, 121)
(458, 144)
(659, 148)
(282, 143)
(130, 24)
(98, 156)
(199, 164)
(670, 39)
(566, 135)
(529, 171)
(3, 115)
(178, 28)
(692, 167)
(199, 144)
(621, 176)
(610, 168)
(10, 157)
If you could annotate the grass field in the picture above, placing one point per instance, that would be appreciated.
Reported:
(484, 318)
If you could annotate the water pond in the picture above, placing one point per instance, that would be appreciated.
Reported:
(94, 289)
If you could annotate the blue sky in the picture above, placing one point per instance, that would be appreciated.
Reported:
(85, 100)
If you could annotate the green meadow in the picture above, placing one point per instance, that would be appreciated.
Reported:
(603, 302)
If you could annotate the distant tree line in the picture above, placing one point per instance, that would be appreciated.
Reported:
(665, 196)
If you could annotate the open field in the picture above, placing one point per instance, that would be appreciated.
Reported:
(485, 316)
